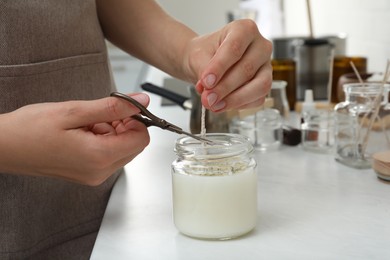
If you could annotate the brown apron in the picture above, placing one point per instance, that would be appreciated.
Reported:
(50, 51)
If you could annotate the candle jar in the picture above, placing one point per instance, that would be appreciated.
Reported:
(362, 124)
(214, 187)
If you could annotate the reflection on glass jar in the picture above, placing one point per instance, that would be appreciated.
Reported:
(350, 78)
(318, 131)
(360, 128)
(264, 129)
(214, 187)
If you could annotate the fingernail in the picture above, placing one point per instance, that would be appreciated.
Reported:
(141, 98)
(212, 98)
(221, 104)
(210, 80)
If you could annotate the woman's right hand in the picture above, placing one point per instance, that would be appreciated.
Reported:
(80, 141)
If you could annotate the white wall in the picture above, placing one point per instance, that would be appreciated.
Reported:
(203, 16)
(269, 16)
(364, 21)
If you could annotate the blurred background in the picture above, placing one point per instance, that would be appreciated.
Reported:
(359, 24)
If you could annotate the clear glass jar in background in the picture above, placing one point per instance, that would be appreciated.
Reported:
(318, 131)
(357, 135)
(214, 187)
(264, 129)
(350, 78)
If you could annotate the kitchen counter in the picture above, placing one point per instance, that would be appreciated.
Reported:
(309, 207)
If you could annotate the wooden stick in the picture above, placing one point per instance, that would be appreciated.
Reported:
(377, 103)
(356, 72)
(309, 18)
(330, 79)
(363, 120)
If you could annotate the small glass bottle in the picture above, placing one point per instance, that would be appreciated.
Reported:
(264, 129)
(214, 187)
(318, 131)
(358, 133)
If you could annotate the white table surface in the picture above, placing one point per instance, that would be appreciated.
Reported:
(309, 207)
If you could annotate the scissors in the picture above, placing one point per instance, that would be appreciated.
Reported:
(148, 119)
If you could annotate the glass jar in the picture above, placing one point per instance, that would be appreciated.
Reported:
(350, 78)
(358, 134)
(214, 187)
(318, 131)
(264, 129)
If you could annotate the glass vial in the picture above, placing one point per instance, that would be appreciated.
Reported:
(214, 187)
(264, 129)
(358, 133)
(318, 131)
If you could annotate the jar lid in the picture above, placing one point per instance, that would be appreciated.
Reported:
(369, 88)
(381, 164)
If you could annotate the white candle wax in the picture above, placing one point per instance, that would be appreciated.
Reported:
(215, 207)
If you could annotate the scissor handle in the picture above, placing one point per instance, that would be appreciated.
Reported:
(143, 109)
(146, 117)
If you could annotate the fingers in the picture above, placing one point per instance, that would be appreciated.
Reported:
(234, 44)
(125, 139)
(133, 140)
(254, 104)
(110, 149)
(240, 72)
(250, 94)
(103, 129)
(84, 113)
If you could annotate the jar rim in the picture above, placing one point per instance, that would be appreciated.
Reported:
(366, 87)
(226, 145)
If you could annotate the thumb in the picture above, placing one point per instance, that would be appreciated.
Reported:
(84, 113)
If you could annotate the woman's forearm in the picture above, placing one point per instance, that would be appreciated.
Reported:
(145, 31)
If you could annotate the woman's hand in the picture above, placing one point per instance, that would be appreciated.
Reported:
(231, 66)
(81, 141)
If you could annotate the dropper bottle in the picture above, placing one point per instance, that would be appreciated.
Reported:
(308, 103)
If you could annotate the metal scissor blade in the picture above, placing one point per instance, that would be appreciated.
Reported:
(149, 119)
(208, 141)
(176, 129)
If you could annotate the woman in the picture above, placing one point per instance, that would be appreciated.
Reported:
(64, 141)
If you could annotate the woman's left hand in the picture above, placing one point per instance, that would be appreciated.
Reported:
(232, 66)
